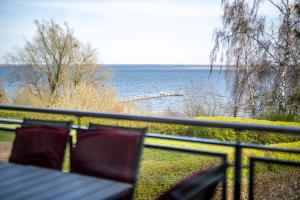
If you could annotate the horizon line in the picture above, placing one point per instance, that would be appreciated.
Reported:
(139, 64)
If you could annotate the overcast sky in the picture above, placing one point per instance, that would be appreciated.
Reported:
(123, 31)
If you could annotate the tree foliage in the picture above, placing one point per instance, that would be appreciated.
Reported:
(52, 60)
(262, 53)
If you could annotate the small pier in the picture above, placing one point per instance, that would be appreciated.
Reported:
(151, 96)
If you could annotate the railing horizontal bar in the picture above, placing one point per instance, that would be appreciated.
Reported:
(10, 121)
(152, 135)
(222, 143)
(172, 148)
(275, 161)
(187, 139)
(7, 129)
(268, 148)
(191, 122)
(191, 139)
(180, 138)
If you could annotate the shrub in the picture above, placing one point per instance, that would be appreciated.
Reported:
(81, 97)
(282, 117)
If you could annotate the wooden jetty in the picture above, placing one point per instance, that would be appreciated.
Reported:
(151, 96)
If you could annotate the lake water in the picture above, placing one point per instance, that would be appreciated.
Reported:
(139, 80)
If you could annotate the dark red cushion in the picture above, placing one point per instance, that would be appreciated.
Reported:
(182, 183)
(40, 146)
(107, 153)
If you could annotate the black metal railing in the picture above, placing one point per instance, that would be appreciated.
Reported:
(238, 146)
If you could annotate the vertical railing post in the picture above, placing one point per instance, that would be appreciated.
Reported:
(224, 187)
(251, 179)
(238, 169)
(71, 143)
(79, 124)
(77, 129)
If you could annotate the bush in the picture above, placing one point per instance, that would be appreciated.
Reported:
(89, 97)
(81, 97)
(282, 117)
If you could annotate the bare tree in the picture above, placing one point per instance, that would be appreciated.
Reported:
(52, 59)
(264, 53)
(203, 101)
(297, 29)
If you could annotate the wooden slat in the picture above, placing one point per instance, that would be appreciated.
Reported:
(4, 165)
(61, 181)
(13, 171)
(81, 192)
(18, 182)
(20, 192)
(111, 192)
(35, 183)
(77, 182)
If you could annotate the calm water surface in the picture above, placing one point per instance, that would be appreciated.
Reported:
(138, 80)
